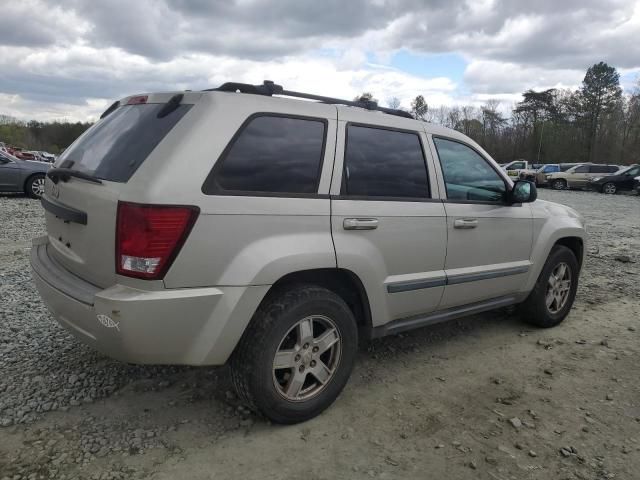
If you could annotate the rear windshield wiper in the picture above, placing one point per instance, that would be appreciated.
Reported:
(57, 174)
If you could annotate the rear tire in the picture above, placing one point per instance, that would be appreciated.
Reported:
(34, 187)
(559, 184)
(275, 365)
(552, 297)
(609, 188)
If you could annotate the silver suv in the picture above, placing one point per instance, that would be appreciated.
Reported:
(234, 226)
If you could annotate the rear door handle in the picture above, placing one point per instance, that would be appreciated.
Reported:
(465, 223)
(360, 223)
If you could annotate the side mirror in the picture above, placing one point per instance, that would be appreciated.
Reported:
(523, 191)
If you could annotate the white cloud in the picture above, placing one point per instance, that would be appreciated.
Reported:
(78, 55)
(494, 77)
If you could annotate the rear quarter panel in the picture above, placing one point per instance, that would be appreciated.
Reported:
(246, 239)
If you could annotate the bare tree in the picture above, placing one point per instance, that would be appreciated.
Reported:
(393, 102)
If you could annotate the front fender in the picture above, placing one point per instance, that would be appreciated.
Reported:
(547, 232)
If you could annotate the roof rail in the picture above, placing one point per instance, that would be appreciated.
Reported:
(269, 88)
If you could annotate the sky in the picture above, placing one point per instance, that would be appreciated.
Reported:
(70, 59)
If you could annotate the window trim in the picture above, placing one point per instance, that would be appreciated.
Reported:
(210, 188)
(343, 185)
(474, 202)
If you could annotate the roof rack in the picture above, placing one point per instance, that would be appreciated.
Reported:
(268, 88)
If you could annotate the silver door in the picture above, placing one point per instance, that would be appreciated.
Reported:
(489, 242)
(396, 245)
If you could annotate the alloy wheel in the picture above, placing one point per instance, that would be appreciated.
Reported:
(307, 358)
(609, 188)
(37, 186)
(558, 287)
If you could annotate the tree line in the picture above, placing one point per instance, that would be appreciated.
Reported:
(596, 123)
(52, 137)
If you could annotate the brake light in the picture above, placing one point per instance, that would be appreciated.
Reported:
(149, 237)
(137, 100)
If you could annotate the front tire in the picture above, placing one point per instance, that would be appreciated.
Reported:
(559, 185)
(297, 354)
(34, 186)
(609, 188)
(555, 290)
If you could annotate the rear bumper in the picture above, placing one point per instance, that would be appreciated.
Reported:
(190, 326)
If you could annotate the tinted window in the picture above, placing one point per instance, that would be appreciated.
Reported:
(565, 167)
(602, 169)
(384, 163)
(582, 169)
(116, 146)
(551, 168)
(467, 175)
(271, 154)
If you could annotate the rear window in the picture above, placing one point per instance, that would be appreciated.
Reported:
(116, 146)
(271, 155)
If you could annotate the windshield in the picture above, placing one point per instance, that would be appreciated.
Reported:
(114, 147)
(632, 170)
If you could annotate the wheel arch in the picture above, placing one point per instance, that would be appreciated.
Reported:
(575, 244)
(342, 282)
(28, 179)
(571, 235)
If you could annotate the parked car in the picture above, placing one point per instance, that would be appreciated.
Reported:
(544, 170)
(579, 176)
(514, 168)
(22, 155)
(636, 185)
(18, 175)
(305, 226)
(43, 156)
(611, 184)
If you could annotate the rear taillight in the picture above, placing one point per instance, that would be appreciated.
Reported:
(148, 237)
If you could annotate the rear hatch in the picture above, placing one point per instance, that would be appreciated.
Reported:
(81, 212)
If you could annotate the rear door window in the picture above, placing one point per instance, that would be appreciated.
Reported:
(384, 163)
(114, 147)
(271, 154)
(602, 169)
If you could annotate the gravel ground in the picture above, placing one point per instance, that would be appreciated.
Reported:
(483, 397)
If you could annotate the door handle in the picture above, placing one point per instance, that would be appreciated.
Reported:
(465, 223)
(360, 223)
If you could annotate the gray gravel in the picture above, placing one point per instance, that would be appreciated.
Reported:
(42, 368)
(45, 372)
